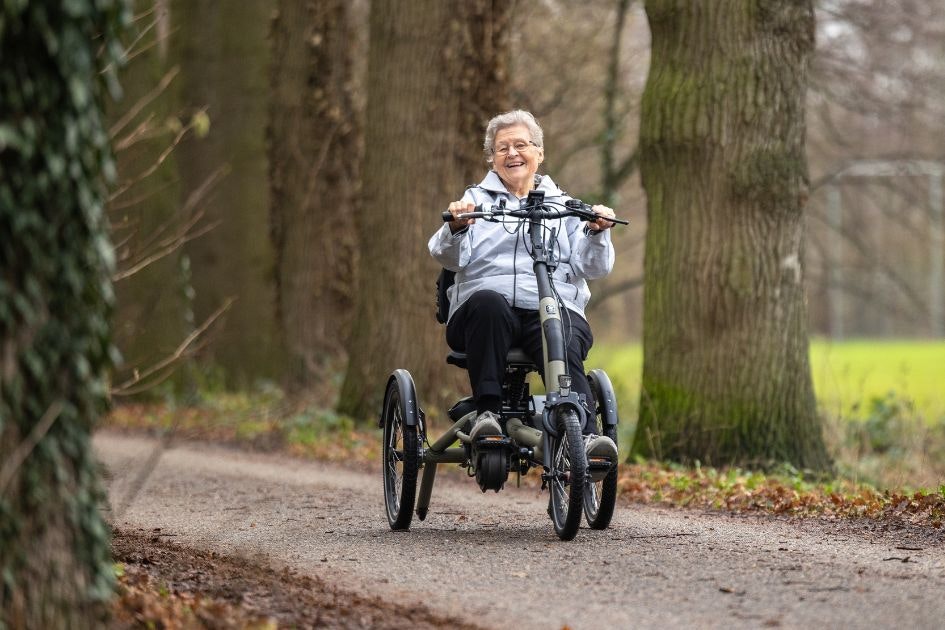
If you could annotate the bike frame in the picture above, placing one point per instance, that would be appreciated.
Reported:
(557, 379)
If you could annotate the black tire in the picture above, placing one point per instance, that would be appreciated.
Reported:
(600, 497)
(568, 468)
(400, 455)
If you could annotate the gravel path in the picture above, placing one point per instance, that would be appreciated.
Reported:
(494, 559)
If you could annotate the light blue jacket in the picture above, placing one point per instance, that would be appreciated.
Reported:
(494, 256)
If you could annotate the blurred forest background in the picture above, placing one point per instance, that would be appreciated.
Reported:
(250, 147)
(282, 163)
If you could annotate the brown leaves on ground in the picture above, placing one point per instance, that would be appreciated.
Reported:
(144, 601)
(160, 587)
(739, 491)
(168, 586)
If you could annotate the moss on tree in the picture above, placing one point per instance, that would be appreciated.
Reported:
(55, 301)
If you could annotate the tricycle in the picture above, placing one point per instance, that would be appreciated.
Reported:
(539, 431)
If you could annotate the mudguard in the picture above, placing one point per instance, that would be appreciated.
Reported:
(552, 401)
(413, 414)
(604, 389)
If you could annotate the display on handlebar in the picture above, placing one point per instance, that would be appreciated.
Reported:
(573, 207)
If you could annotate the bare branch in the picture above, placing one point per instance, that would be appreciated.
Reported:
(118, 245)
(154, 167)
(146, 130)
(159, 245)
(164, 251)
(627, 167)
(143, 102)
(605, 293)
(612, 124)
(24, 448)
(140, 198)
(157, 41)
(166, 374)
(887, 270)
(874, 298)
(125, 389)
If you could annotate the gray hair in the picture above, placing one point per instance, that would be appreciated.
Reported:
(510, 119)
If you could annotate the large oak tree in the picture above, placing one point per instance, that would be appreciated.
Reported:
(314, 148)
(224, 63)
(726, 377)
(436, 74)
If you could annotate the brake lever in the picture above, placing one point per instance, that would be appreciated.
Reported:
(584, 211)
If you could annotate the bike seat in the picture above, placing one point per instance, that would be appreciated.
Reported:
(515, 358)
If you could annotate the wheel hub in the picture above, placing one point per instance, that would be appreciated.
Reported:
(492, 469)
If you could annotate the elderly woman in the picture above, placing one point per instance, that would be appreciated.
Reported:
(494, 301)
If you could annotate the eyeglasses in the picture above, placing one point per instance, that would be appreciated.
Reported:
(520, 147)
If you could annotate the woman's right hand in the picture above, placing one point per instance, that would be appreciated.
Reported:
(459, 207)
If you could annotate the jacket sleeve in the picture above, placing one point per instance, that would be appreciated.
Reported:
(452, 251)
(592, 255)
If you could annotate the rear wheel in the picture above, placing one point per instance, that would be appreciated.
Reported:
(401, 452)
(568, 468)
(601, 496)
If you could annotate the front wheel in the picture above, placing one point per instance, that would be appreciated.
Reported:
(401, 452)
(601, 496)
(568, 470)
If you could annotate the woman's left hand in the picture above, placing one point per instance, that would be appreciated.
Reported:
(601, 223)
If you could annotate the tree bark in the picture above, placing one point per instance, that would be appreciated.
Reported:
(425, 117)
(483, 70)
(314, 148)
(55, 304)
(224, 61)
(612, 174)
(726, 378)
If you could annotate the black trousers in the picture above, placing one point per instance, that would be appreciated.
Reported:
(485, 327)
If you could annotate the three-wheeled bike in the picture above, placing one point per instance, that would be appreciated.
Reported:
(540, 431)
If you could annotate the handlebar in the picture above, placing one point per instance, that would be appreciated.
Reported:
(573, 208)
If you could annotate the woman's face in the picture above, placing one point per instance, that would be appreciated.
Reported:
(516, 159)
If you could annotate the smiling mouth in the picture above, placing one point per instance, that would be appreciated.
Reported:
(514, 164)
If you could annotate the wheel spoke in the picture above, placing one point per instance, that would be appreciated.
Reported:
(562, 477)
(400, 459)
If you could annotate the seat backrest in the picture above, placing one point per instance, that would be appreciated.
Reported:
(443, 282)
(516, 360)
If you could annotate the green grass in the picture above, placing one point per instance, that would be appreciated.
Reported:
(848, 375)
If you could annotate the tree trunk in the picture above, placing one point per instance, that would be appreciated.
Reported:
(612, 174)
(726, 378)
(55, 303)
(483, 70)
(314, 148)
(426, 112)
(224, 60)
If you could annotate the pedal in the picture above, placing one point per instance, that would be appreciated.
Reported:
(489, 442)
(599, 467)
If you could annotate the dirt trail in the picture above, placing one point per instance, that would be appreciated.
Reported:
(494, 559)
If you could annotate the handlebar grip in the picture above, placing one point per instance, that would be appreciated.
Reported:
(448, 216)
